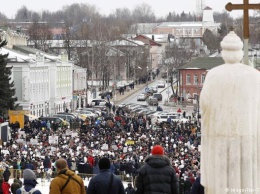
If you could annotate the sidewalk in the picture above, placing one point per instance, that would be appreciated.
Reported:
(119, 98)
(179, 105)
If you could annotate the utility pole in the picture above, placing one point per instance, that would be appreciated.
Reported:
(72, 106)
(168, 82)
(92, 63)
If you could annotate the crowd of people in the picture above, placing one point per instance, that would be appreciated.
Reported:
(125, 139)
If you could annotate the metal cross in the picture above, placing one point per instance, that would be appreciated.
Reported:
(245, 7)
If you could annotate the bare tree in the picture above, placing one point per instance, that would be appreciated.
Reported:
(143, 13)
(175, 56)
(121, 19)
(210, 40)
(23, 14)
(39, 34)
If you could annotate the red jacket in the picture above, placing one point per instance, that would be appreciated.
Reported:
(5, 187)
(91, 161)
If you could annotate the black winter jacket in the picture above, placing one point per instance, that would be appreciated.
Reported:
(157, 176)
(99, 184)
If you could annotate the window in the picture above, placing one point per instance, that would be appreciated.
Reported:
(203, 76)
(188, 79)
(195, 80)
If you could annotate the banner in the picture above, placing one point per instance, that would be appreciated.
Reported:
(104, 147)
(33, 141)
(114, 147)
(53, 139)
(20, 141)
(130, 142)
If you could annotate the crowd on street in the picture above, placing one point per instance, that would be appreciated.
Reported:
(123, 138)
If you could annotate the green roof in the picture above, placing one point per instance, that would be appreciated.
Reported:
(203, 63)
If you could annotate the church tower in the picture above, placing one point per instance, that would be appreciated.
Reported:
(207, 15)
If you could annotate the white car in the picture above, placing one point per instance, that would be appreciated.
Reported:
(99, 102)
(161, 84)
(85, 113)
(154, 89)
(141, 97)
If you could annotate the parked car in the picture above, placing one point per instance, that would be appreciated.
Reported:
(83, 114)
(154, 89)
(68, 118)
(164, 75)
(152, 101)
(95, 110)
(106, 93)
(141, 97)
(61, 122)
(98, 102)
(161, 84)
(158, 96)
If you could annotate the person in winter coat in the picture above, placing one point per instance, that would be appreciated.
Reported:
(129, 189)
(19, 181)
(5, 187)
(47, 166)
(14, 186)
(157, 175)
(109, 181)
(187, 186)
(29, 182)
(6, 174)
(197, 188)
(66, 180)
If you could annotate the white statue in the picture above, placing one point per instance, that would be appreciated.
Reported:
(230, 105)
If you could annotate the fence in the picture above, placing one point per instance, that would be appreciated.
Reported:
(15, 173)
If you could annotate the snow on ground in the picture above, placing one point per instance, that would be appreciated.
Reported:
(43, 185)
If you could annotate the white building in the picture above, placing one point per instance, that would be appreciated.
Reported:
(43, 82)
(79, 87)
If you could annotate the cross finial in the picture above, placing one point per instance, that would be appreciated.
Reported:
(231, 28)
(246, 6)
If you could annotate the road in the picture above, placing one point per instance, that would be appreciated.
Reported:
(166, 92)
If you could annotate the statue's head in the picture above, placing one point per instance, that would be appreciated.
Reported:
(232, 48)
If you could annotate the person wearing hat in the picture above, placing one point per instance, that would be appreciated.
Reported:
(29, 181)
(15, 185)
(66, 180)
(6, 173)
(129, 189)
(157, 175)
(105, 181)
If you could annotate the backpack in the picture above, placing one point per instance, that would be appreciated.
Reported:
(28, 192)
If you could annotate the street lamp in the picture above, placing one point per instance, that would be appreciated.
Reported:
(168, 82)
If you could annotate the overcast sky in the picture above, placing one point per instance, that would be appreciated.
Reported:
(160, 7)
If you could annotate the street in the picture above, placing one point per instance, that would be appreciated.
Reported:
(166, 93)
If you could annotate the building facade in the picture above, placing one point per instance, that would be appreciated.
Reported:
(80, 89)
(193, 74)
(43, 83)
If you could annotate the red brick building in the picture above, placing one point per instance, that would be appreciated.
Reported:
(192, 75)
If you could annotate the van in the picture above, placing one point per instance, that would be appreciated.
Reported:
(175, 117)
(98, 102)
(66, 117)
(56, 120)
(158, 96)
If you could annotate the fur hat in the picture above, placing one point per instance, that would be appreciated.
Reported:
(157, 150)
(104, 163)
(28, 174)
